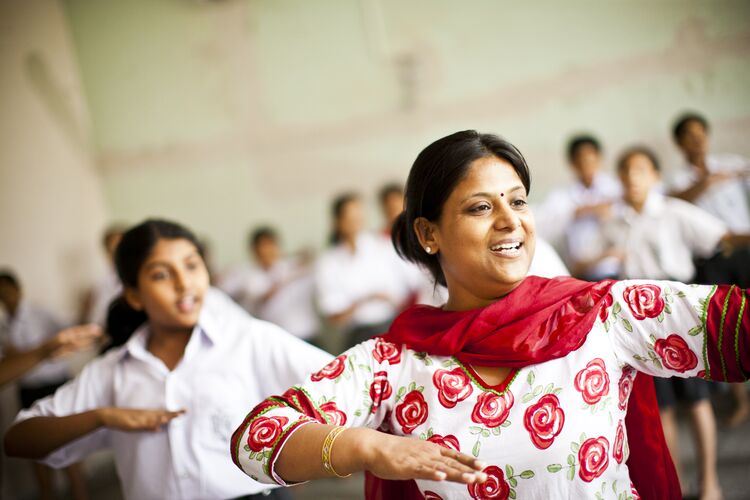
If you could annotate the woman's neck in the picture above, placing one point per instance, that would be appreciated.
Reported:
(168, 344)
(463, 300)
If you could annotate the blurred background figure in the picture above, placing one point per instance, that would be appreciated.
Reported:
(571, 216)
(391, 198)
(108, 287)
(358, 289)
(719, 184)
(280, 289)
(26, 327)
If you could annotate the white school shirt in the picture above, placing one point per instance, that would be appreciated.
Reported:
(107, 289)
(662, 240)
(546, 262)
(30, 327)
(231, 362)
(727, 200)
(292, 307)
(234, 281)
(343, 277)
(581, 238)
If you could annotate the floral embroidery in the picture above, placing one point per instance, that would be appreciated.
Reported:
(604, 309)
(593, 457)
(264, 431)
(618, 448)
(335, 416)
(499, 484)
(448, 441)
(625, 386)
(675, 354)
(380, 389)
(491, 409)
(453, 386)
(412, 411)
(386, 351)
(331, 371)
(644, 301)
(593, 381)
(544, 421)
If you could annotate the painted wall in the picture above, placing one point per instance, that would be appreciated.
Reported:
(224, 114)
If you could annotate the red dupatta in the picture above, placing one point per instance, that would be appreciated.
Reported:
(541, 320)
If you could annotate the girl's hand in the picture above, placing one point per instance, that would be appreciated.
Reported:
(394, 457)
(133, 420)
(73, 339)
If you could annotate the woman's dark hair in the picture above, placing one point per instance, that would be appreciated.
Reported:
(678, 129)
(626, 155)
(433, 177)
(339, 203)
(136, 245)
(260, 233)
(575, 143)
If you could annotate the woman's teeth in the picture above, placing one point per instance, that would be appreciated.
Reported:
(508, 249)
(186, 304)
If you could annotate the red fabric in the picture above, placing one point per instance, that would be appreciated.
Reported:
(728, 354)
(540, 320)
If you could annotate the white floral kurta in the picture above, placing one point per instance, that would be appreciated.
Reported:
(551, 430)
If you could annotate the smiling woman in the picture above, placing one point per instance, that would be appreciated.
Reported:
(520, 385)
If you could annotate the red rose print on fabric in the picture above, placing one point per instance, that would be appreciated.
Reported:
(431, 495)
(492, 410)
(593, 458)
(634, 492)
(593, 381)
(386, 351)
(544, 420)
(449, 441)
(411, 412)
(336, 416)
(332, 370)
(494, 487)
(453, 386)
(380, 389)
(625, 386)
(604, 310)
(675, 354)
(618, 451)
(264, 431)
(644, 301)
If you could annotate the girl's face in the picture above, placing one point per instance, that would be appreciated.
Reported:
(171, 285)
(485, 237)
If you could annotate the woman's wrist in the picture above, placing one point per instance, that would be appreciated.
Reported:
(355, 450)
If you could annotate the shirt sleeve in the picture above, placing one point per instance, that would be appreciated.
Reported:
(668, 329)
(91, 389)
(330, 297)
(703, 231)
(355, 389)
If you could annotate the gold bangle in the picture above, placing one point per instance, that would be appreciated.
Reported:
(328, 448)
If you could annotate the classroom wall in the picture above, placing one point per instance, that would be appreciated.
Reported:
(225, 114)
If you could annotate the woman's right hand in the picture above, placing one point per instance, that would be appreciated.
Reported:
(395, 457)
(134, 420)
(73, 339)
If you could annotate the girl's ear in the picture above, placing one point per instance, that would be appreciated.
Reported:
(426, 234)
(133, 298)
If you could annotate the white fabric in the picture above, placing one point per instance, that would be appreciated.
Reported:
(343, 277)
(570, 402)
(579, 238)
(546, 262)
(104, 292)
(231, 362)
(662, 240)
(727, 200)
(30, 327)
(234, 281)
(292, 306)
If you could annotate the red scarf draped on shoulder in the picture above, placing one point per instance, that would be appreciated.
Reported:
(541, 320)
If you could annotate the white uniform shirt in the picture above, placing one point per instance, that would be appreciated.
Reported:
(231, 363)
(662, 240)
(30, 327)
(104, 292)
(727, 200)
(343, 277)
(292, 307)
(581, 238)
(546, 263)
(234, 281)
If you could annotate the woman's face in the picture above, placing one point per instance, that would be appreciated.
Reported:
(171, 285)
(485, 236)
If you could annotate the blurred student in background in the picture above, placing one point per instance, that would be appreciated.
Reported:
(108, 287)
(167, 400)
(358, 289)
(280, 289)
(571, 217)
(719, 184)
(26, 329)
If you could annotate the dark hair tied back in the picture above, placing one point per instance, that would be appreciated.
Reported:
(434, 175)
